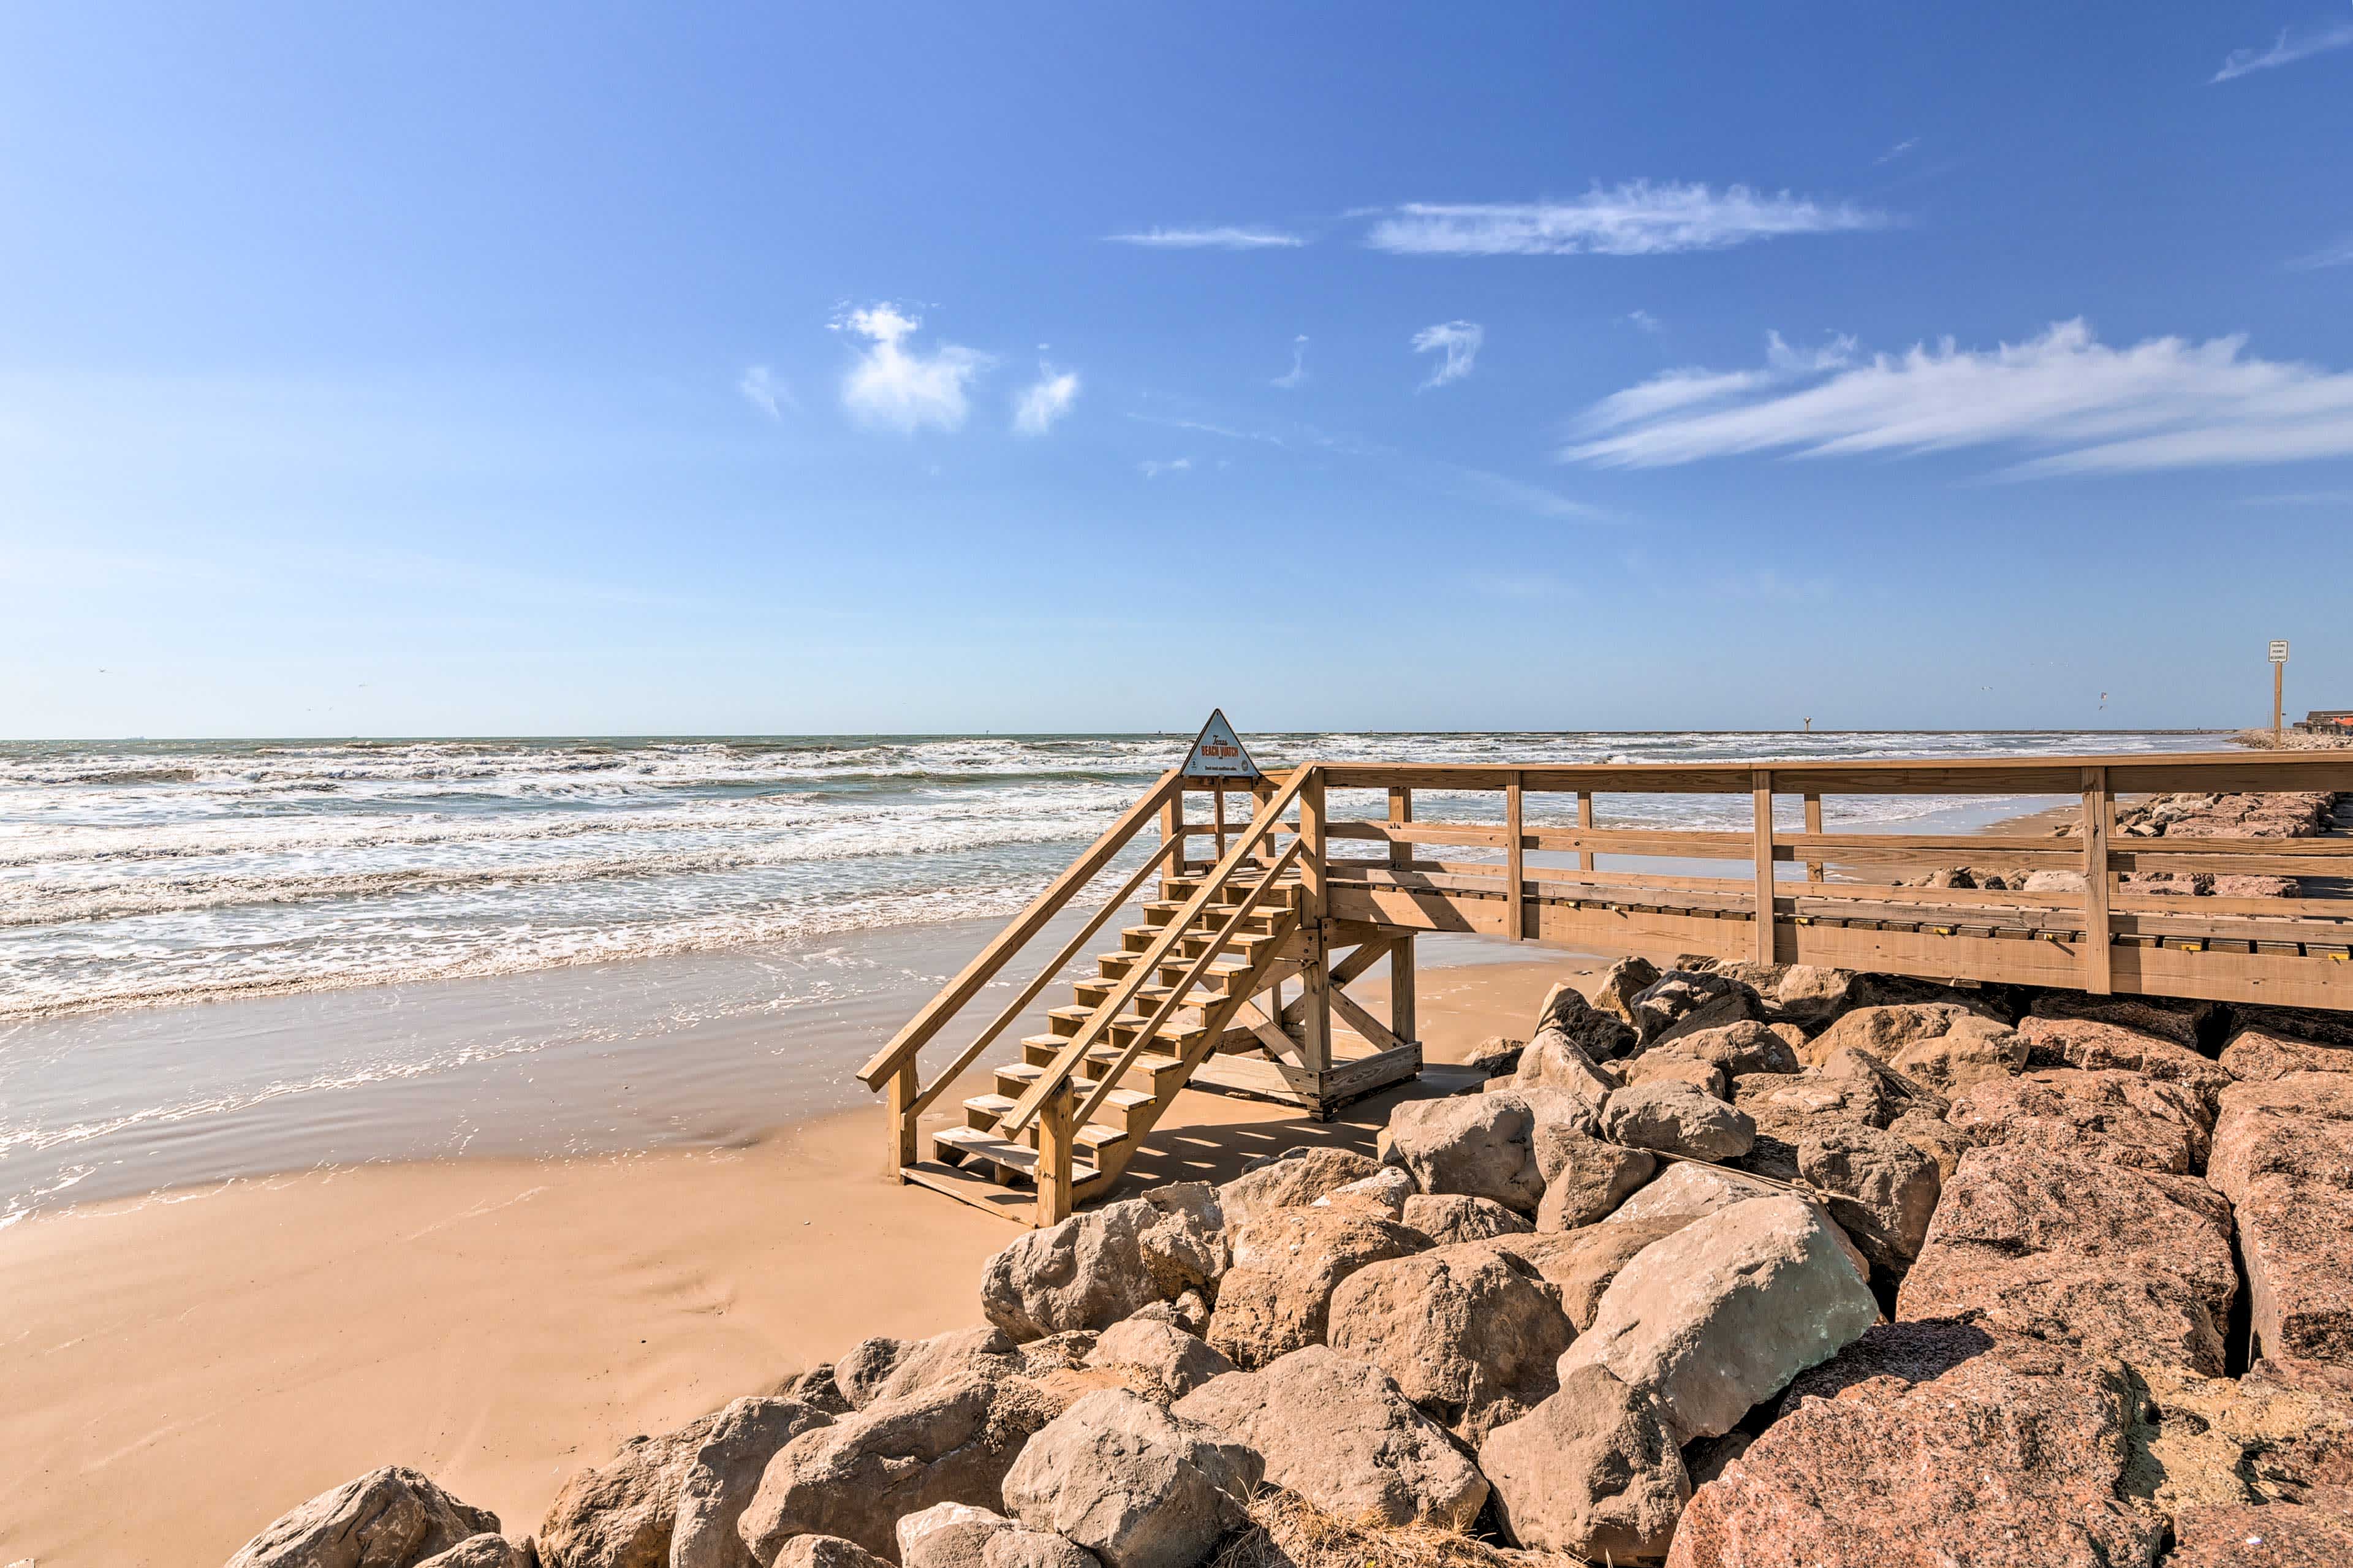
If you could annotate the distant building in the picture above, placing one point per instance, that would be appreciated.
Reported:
(2321, 718)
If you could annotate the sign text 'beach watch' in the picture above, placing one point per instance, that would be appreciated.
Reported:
(1218, 753)
(2279, 650)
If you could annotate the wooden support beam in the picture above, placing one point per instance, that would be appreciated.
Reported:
(899, 1117)
(1514, 859)
(1761, 792)
(1055, 1131)
(1172, 826)
(1363, 1022)
(1814, 829)
(1314, 905)
(2099, 821)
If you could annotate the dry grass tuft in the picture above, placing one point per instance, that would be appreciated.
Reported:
(1289, 1532)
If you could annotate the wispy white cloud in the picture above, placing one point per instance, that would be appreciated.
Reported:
(1219, 237)
(1637, 218)
(1499, 489)
(1647, 322)
(2163, 403)
(1053, 394)
(1900, 148)
(1297, 374)
(767, 392)
(2285, 50)
(1674, 391)
(1458, 340)
(1152, 469)
(2337, 255)
(893, 387)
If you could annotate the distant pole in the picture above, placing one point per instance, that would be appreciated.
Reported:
(2279, 683)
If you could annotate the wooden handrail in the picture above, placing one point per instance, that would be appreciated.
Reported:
(1045, 976)
(1109, 1079)
(886, 1063)
(1065, 1062)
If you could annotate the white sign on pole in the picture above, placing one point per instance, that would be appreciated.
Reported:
(1217, 752)
(2279, 650)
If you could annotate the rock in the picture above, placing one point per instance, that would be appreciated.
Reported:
(2284, 1154)
(1474, 1144)
(1277, 1295)
(2314, 1026)
(1726, 1310)
(1675, 1118)
(1619, 983)
(2093, 1046)
(2081, 1253)
(1294, 1177)
(2011, 1453)
(721, 1480)
(1706, 1459)
(484, 1551)
(886, 1369)
(1471, 1334)
(1020, 1548)
(816, 1389)
(1592, 1470)
(948, 1535)
(2257, 1055)
(1178, 1361)
(1449, 1217)
(1684, 1001)
(2183, 1022)
(1880, 1188)
(1745, 1047)
(825, 1552)
(1905, 991)
(1096, 1268)
(1812, 995)
(1342, 1434)
(1135, 1485)
(2119, 1117)
(1582, 1263)
(620, 1514)
(2280, 1535)
(2280, 1434)
(1585, 1179)
(1670, 1066)
(1942, 1045)
(1496, 1056)
(1850, 1089)
(1187, 1312)
(951, 1442)
(389, 1518)
(1553, 1061)
(1382, 1195)
(2054, 882)
(1599, 1032)
(1687, 1192)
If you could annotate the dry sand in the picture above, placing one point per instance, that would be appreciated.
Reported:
(179, 1369)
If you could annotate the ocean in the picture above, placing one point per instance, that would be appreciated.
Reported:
(226, 956)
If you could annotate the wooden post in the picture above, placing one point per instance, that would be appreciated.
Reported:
(1314, 975)
(1217, 792)
(1401, 998)
(899, 1099)
(1761, 786)
(1585, 821)
(2099, 817)
(1171, 826)
(1515, 889)
(1054, 1137)
(2279, 687)
(1814, 825)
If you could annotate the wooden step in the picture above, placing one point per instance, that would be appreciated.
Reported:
(1260, 922)
(1213, 984)
(1014, 1079)
(1066, 1022)
(1165, 1073)
(1284, 894)
(986, 1111)
(955, 1144)
(1240, 953)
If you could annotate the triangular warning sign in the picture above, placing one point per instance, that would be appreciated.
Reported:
(1218, 753)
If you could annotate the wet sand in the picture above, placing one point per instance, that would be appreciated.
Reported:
(182, 1368)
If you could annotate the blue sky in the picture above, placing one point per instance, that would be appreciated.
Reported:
(433, 369)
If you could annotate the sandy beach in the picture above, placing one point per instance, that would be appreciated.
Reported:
(182, 1367)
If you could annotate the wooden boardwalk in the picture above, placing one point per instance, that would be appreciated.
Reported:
(1236, 978)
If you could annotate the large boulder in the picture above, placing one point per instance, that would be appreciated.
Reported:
(2281, 1434)
(2081, 1253)
(1450, 1217)
(1942, 1045)
(887, 1369)
(1340, 1433)
(1479, 1145)
(1585, 1178)
(1672, 1118)
(1582, 1263)
(1812, 996)
(1176, 1361)
(1598, 1032)
(1742, 1046)
(1879, 1186)
(1686, 1001)
(951, 1442)
(2112, 1115)
(2278, 1535)
(1098, 1266)
(1381, 1195)
(1726, 1310)
(1553, 1061)
(1992, 1454)
(1135, 1485)
(1470, 1333)
(816, 1389)
(1594, 1470)
(825, 1552)
(1022, 1547)
(484, 1551)
(389, 1518)
(2258, 1054)
(2094, 1046)
(724, 1475)
(1623, 981)
(1294, 1177)
(2184, 1022)
(1277, 1295)
(949, 1535)
(2284, 1154)
(1808, 1127)
(1687, 1191)
(620, 1514)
